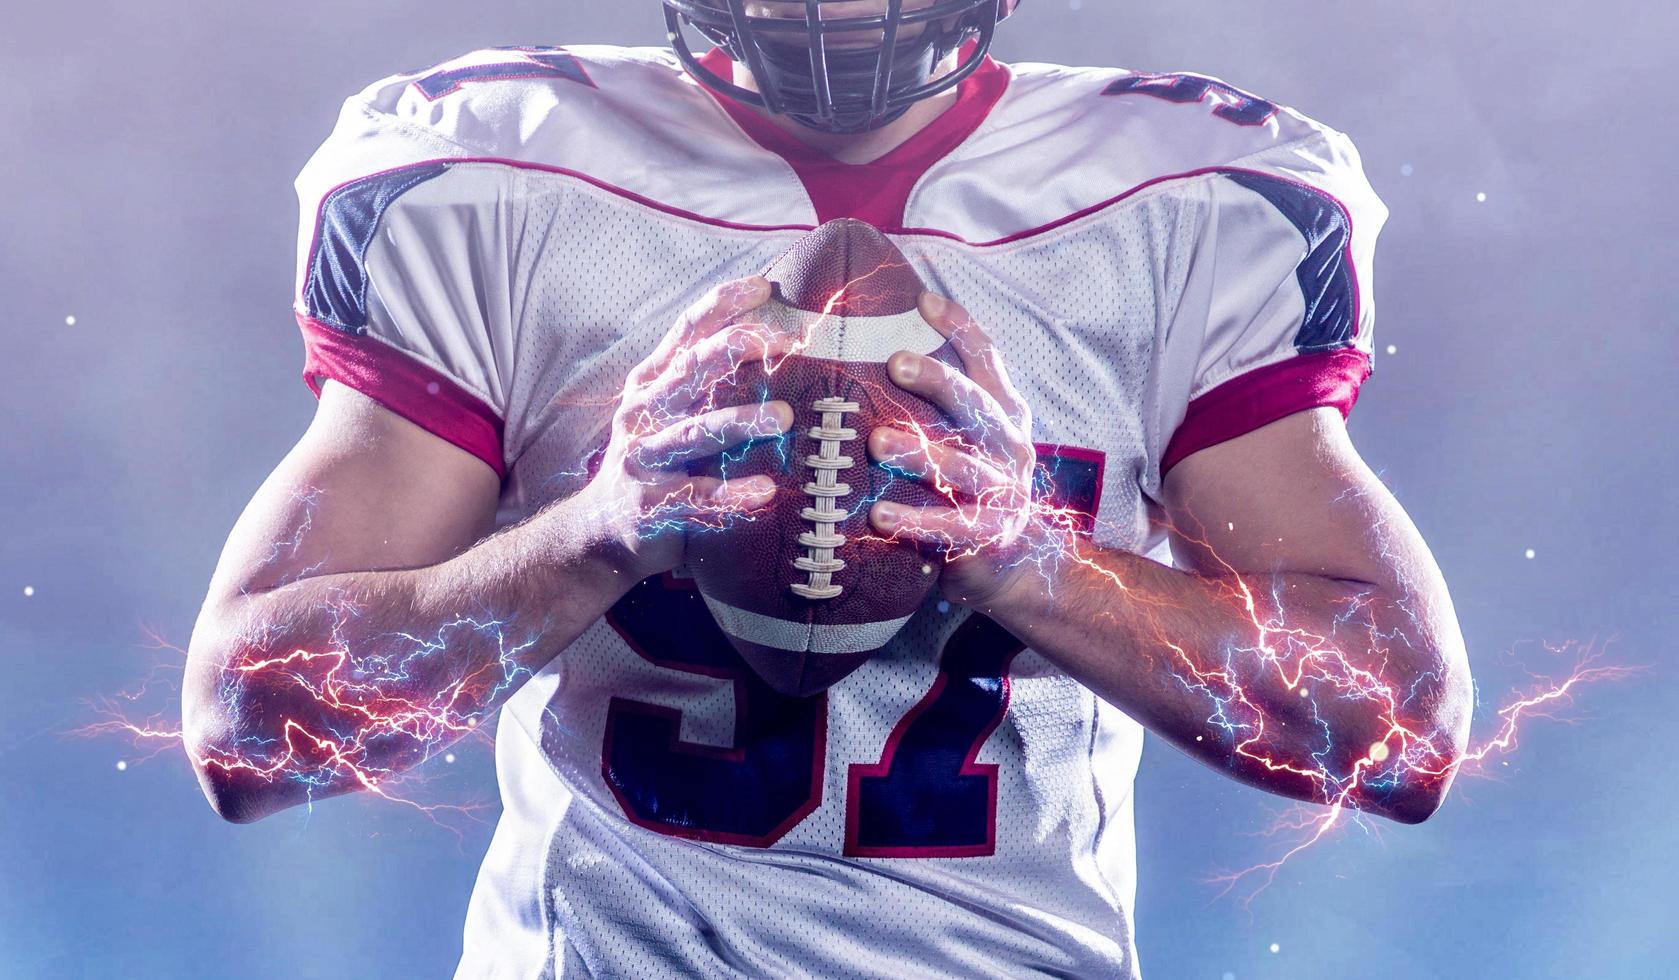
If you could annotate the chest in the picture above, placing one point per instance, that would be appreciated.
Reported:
(1074, 313)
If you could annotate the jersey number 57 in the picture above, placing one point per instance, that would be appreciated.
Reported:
(926, 796)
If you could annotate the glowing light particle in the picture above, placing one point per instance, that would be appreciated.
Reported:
(1482, 197)
(1379, 752)
(449, 757)
(1275, 948)
(122, 765)
(1392, 349)
(1406, 170)
(28, 591)
(926, 569)
(69, 321)
(1529, 553)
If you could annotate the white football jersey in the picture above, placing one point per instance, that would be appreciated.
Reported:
(1164, 261)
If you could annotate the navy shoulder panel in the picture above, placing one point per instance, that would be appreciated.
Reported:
(1326, 274)
(336, 290)
(521, 63)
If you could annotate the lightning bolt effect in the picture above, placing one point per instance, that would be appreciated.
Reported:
(369, 700)
(1407, 754)
(1003, 510)
(363, 711)
(360, 712)
(1015, 524)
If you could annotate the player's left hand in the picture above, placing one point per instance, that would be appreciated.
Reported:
(984, 467)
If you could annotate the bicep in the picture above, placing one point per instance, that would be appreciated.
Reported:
(1294, 496)
(364, 489)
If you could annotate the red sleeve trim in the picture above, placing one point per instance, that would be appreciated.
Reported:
(404, 385)
(1264, 395)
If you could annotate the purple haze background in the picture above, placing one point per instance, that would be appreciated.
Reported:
(148, 153)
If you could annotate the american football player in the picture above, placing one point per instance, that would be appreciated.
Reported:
(1161, 289)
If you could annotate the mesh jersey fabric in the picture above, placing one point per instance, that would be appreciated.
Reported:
(487, 248)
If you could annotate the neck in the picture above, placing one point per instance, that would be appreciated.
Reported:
(860, 147)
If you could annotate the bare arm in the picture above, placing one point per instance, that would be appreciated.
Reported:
(356, 624)
(357, 552)
(1309, 647)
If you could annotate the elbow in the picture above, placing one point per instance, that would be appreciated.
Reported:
(207, 735)
(1417, 803)
(228, 800)
(1424, 789)
(234, 796)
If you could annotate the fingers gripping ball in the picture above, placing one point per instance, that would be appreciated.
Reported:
(807, 591)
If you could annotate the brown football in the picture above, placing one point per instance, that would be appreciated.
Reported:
(806, 590)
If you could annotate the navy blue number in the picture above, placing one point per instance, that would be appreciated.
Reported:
(539, 62)
(927, 797)
(751, 794)
(1233, 104)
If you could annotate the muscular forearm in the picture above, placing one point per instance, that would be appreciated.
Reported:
(340, 682)
(1307, 686)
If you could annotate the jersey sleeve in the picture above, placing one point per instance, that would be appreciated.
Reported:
(1276, 312)
(404, 288)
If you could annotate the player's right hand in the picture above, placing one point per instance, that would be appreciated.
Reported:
(638, 504)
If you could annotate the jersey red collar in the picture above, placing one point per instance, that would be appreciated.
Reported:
(877, 191)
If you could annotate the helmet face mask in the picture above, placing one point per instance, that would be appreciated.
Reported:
(837, 72)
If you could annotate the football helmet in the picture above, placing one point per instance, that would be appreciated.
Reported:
(837, 86)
